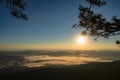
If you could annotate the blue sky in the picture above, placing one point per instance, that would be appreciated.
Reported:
(49, 26)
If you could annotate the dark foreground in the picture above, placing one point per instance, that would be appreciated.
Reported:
(91, 71)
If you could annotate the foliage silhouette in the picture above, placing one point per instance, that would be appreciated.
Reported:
(16, 7)
(95, 24)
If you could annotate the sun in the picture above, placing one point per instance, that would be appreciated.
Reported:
(81, 40)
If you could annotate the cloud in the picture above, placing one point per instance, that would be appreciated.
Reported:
(43, 60)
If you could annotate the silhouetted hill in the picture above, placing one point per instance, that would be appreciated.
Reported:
(90, 71)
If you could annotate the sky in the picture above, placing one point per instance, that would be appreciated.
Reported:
(49, 26)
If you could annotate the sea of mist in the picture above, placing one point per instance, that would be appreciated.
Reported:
(41, 58)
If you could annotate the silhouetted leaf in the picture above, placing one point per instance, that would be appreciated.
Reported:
(95, 24)
(16, 8)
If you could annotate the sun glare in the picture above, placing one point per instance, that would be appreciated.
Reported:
(81, 40)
